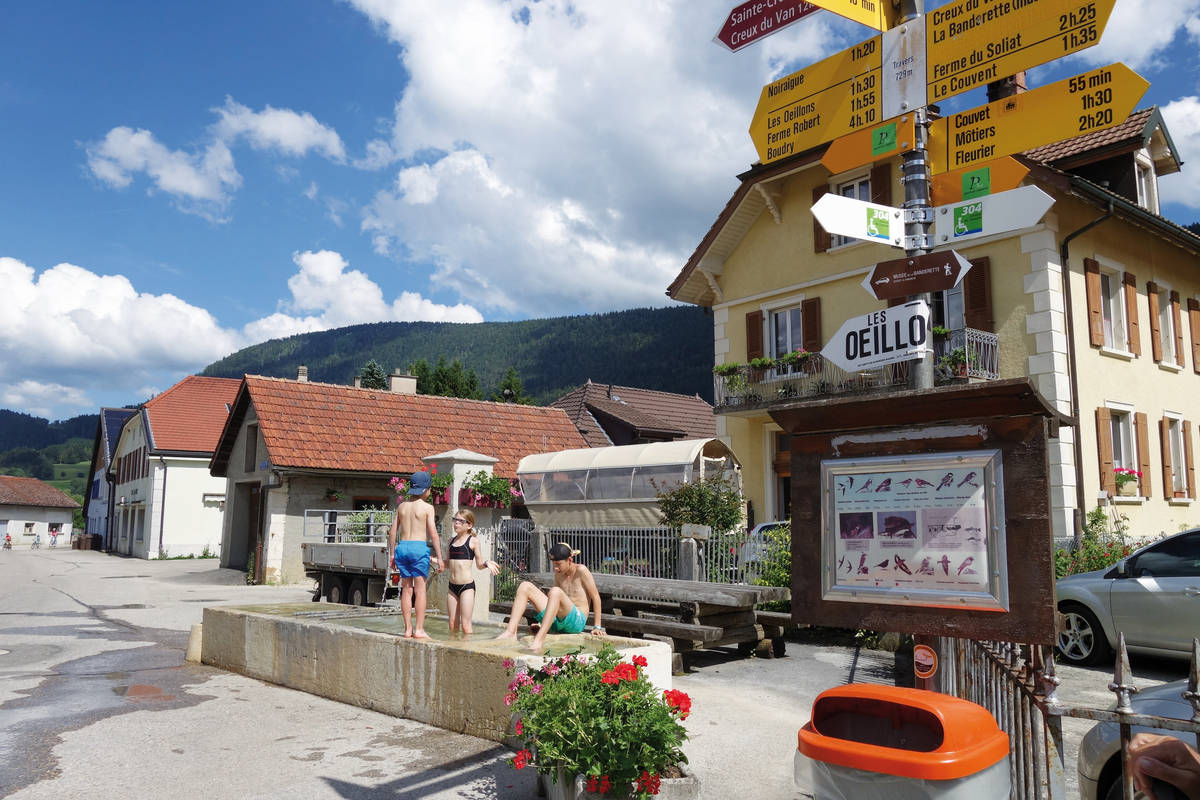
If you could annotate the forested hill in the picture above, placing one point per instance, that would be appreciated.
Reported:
(670, 349)
(26, 430)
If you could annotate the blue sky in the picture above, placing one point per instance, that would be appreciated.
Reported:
(182, 180)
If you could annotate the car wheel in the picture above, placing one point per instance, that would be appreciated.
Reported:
(1082, 640)
(335, 589)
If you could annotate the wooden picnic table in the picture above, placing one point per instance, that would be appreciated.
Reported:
(690, 614)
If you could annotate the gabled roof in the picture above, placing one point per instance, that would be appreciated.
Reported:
(647, 411)
(189, 417)
(1143, 128)
(321, 426)
(32, 492)
(109, 431)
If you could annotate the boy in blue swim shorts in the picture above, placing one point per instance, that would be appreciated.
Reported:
(415, 525)
(565, 605)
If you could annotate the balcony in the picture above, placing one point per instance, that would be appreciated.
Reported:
(964, 355)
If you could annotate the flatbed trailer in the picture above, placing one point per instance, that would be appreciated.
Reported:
(348, 556)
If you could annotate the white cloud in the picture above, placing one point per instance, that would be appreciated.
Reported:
(1182, 117)
(99, 332)
(203, 182)
(569, 157)
(200, 182)
(1140, 31)
(282, 129)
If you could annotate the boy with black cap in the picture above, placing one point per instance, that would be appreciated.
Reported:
(410, 555)
(565, 605)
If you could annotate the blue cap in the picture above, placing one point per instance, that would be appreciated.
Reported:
(420, 483)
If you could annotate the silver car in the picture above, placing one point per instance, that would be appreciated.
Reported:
(1100, 749)
(1153, 597)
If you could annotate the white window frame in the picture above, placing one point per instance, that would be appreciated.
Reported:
(769, 310)
(1178, 454)
(860, 182)
(1123, 434)
(1112, 308)
(1146, 180)
(1166, 326)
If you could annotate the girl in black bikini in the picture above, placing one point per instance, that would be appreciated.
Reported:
(464, 549)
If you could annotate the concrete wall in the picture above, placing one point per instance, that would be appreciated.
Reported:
(457, 685)
(192, 521)
(14, 518)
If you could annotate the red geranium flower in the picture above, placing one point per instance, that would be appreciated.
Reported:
(679, 701)
(648, 783)
(640, 661)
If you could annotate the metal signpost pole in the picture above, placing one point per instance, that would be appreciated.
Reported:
(918, 217)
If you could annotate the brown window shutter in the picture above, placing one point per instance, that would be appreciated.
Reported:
(1108, 481)
(1091, 280)
(1194, 327)
(1164, 438)
(1177, 321)
(1132, 329)
(810, 321)
(1189, 464)
(1155, 330)
(754, 335)
(977, 296)
(881, 184)
(822, 241)
(1142, 430)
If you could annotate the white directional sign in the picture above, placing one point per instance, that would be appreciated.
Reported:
(859, 219)
(887, 336)
(989, 215)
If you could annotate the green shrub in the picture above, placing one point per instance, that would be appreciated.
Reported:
(1103, 544)
(715, 501)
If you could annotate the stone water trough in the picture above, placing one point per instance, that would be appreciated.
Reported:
(358, 656)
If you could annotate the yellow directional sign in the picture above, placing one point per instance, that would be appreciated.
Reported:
(982, 179)
(970, 43)
(1089, 102)
(867, 145)
(833, 97)
(877, 14)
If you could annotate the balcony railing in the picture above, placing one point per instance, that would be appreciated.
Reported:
(965, 354)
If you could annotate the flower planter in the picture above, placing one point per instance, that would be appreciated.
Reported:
(1127, 489)
(685, 788)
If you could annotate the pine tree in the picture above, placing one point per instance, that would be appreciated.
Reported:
(510, 389)
(373, 376)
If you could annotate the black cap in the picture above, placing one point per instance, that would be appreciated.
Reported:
(561, 551)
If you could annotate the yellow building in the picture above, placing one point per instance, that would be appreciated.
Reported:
(1098, 304)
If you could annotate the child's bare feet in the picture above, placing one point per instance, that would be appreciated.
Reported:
(507, 635)
(408, 634)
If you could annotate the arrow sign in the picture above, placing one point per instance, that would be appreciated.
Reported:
(900, 333)
(859, 219)
(751, 21)
(990, 215)
(970, 182)
(969, 44)
(1089, 102)
(931, 272)
(870, 144)
(877, 14)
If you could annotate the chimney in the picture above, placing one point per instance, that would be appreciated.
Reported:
(1006, 87)
(402, 383)
(357, 381)
(302, 373)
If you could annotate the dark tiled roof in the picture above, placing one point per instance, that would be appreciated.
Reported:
(677, 415)
(308, 425)
(1132, 131)
(32, 492)
(111, 420)
(189, 417)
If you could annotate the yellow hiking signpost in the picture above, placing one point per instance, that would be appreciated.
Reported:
(877, 14)
(969, 43)
(1000, 175)
(1085, 103)
(865, 146)
(818, 103)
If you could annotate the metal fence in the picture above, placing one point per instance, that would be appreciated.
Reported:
(512, 545)
(647, 552)
(1017, 682)
(322, 524)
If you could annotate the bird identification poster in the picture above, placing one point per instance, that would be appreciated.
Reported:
(922, 530)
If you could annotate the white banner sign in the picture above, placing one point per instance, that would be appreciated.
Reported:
(899, 333)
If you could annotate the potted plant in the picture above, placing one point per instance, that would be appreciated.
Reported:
(955, 362)
(596, 726)
(487, 491)
(760, 366)
(733, 378)
(794, 360)
(333, 495)
(439, 483)
(1127, 481)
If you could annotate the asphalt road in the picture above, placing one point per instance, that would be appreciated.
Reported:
(97, 701)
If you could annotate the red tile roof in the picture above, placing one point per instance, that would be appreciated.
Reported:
(308, 425)
(189, 416)
(684, 416)
(32, 492)
(1131, 132)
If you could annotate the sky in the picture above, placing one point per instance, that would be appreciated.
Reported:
(181, 180)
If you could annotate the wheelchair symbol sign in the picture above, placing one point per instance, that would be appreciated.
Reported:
(877, 223)
(968, 219)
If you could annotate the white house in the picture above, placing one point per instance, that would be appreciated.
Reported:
(30, 508)
(166, 502)
(98, 504)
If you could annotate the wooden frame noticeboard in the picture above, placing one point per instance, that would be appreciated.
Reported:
(1000, 431)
